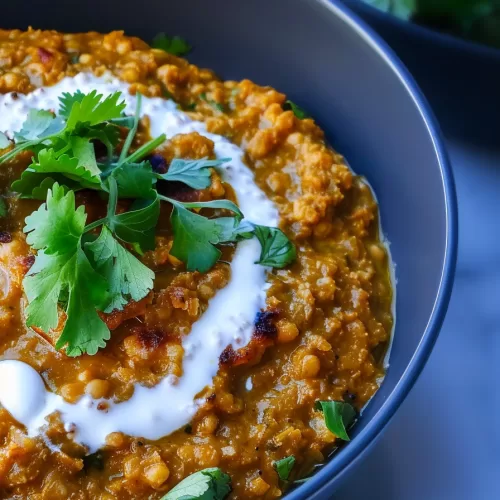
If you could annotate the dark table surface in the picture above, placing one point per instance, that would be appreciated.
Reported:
(444, 442)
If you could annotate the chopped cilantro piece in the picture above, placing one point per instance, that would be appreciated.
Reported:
(173, 45)
(207, 484)
(284, 467)
(297, 110)
(339, 416)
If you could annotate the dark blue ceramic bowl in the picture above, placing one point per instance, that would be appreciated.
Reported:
(333, 65)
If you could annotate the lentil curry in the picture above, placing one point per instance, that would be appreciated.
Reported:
(320, 336)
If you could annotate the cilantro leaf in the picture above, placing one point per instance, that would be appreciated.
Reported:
(66, 101)
(194, 239)
(195, 235)
(84, 151)
(92, 110)
(49, 165)
(4, 141)
(284, 467)
(36, 185)
(56, 226)
(38, 125)
(207, 484)
(62, 276)
(127, 277)
(338, 417)
(173, 45)
(136, 226)
(135, 180)
(194, 173)
(277, 250)
(297, 110)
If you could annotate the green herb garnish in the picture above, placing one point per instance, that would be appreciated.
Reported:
(173, 45)
(83, 269)
(297, 110)
(62, 275)
(284, 467)
(207, 484)
(216, 105)
(339, 416)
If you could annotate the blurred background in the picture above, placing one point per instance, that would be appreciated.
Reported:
(444, 443)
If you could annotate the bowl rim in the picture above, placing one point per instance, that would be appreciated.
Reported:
(353, 451)
(451, 41)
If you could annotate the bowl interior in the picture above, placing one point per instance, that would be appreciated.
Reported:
(324, 61)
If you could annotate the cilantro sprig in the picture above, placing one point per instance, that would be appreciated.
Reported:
(84, 269)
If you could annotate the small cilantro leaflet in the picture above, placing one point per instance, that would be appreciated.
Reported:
(207, 484)
(194, 173)
(339, 416)
(173, 45)
(277, 250)
(93, 110)
(297, 110)
(127, 277)
(284, 467)
(56, 226)
(66, 101)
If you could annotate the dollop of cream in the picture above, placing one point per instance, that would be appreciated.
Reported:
(157, 411)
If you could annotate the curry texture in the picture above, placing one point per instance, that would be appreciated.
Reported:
(328, 318)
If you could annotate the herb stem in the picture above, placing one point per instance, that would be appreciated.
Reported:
(113, 196)
(144, 150)
(95, 224)
(132, 131)
(17, 149)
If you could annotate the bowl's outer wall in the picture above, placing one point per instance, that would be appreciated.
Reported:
(315, 55)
